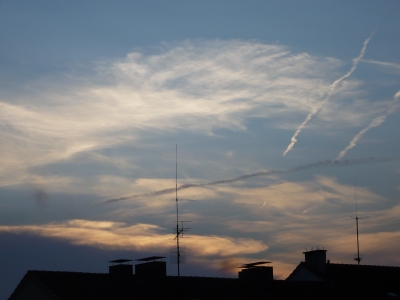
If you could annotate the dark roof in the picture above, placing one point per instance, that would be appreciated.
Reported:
(75, 285)
(357, 280)
(234, 288)
(363, 273)
(353, 273)
(309, 267)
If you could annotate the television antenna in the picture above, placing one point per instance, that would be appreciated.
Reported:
(358, 258)
(180, 230)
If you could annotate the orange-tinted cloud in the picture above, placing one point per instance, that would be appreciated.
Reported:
(112, 235)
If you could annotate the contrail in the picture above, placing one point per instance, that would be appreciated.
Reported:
(382, 63)
(375, 122)
(326, 163)
(331, 89)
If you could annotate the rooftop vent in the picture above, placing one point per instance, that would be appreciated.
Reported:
(257, 272)
(151, 267)
(120, 267)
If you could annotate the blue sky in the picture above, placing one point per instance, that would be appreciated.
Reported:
(95, 95)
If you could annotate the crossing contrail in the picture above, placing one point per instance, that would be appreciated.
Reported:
(317, 107)
(320, 164)
(375, 122)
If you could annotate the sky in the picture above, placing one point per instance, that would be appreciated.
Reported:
(285, 115)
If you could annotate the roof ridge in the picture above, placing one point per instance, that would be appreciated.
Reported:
(75, 272)
(341, 264)
(45, 286)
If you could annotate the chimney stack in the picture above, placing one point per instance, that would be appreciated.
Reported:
(316, 259)
(120, 267)
(151, 267)
(257, 273)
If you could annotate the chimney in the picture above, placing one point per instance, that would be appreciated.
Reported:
(151, 267)
(121, 267)
(257, 273)
(316, 259)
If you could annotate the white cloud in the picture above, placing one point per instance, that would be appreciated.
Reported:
(193, 86)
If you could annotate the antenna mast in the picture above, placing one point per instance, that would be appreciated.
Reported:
(178, 254)
(357, 259)
(178, 231)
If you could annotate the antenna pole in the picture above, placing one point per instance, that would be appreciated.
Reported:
(358, 259)
(176, 201)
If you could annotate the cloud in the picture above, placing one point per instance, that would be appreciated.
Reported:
(141, 237)
(279, 232)
(193, 86)
(309, 209)
(332, 87)
(283, 225)
(230, 154)
(319, 164)
(373, 247)
(283, 205)
(374, 123)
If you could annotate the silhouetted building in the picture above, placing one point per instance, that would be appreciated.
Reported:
(312, 268)
(46, 285)
(364, 280)
(312, 279)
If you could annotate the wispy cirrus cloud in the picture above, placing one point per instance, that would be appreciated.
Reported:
(193, 86)
(315, 165)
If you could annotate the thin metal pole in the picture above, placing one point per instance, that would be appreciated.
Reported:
(176, 201)
(358, 244)
(358, 259)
